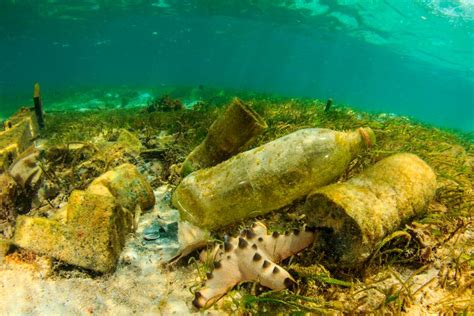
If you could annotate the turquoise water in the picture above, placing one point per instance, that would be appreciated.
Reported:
(413, 58)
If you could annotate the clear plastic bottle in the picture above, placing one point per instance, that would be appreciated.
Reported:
(268, 177)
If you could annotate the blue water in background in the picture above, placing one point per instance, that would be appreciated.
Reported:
(413, 58)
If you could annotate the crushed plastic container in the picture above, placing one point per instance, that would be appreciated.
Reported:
(234, 129)
(360, 212)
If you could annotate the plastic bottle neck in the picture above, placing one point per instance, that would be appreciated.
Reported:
(360, 139)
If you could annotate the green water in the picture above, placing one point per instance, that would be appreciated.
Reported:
(408, 57)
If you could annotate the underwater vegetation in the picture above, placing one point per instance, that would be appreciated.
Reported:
(422, 265)
(164, 104)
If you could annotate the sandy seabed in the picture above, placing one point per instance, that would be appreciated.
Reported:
(140, 285)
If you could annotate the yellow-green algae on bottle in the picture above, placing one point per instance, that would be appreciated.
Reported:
(234, 129)
(363, 210)
(268, 177)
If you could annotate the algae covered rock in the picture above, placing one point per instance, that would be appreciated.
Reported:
(96, 224)
(129, 141)
(268, 177)
(90, 238)
(360, 212)
(127, 185)
(233, 130)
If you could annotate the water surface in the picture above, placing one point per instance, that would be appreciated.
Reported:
(411, 58)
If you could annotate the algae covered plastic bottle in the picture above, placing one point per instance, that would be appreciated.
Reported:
(360, 212)
(268, 177)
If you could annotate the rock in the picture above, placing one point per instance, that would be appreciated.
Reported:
(96, 223)
(161, 230)
(129, 141)
(90, 239)
(127, 185)
(40, 266)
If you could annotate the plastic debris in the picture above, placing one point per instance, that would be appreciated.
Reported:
(268, 177)
(232, 131)
(96, 222)
(360, 212)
